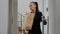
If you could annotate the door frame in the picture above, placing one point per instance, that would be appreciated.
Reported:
(12, 17)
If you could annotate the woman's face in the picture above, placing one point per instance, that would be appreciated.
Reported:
(32, 6)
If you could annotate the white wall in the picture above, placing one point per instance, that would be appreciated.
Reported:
(54, 13)
(52, 16)
(57, 16)
(3, 16)
(23, 5)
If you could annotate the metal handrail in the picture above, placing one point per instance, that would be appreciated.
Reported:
(21, 16)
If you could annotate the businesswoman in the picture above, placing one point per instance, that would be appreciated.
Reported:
(33, 19)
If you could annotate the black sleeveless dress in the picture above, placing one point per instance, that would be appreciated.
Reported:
(36, 24)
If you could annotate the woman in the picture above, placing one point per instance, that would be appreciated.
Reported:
(35, 29)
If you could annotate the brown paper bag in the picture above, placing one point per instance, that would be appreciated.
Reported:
(29, 20)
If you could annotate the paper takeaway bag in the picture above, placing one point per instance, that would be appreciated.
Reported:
(29, 17)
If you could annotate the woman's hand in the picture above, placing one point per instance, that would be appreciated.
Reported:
(44, 20)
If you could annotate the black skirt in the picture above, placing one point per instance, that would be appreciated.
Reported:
(34, 32)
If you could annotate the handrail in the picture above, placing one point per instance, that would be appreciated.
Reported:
(20, 14)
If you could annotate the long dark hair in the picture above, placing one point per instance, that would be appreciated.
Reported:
(36, 3)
